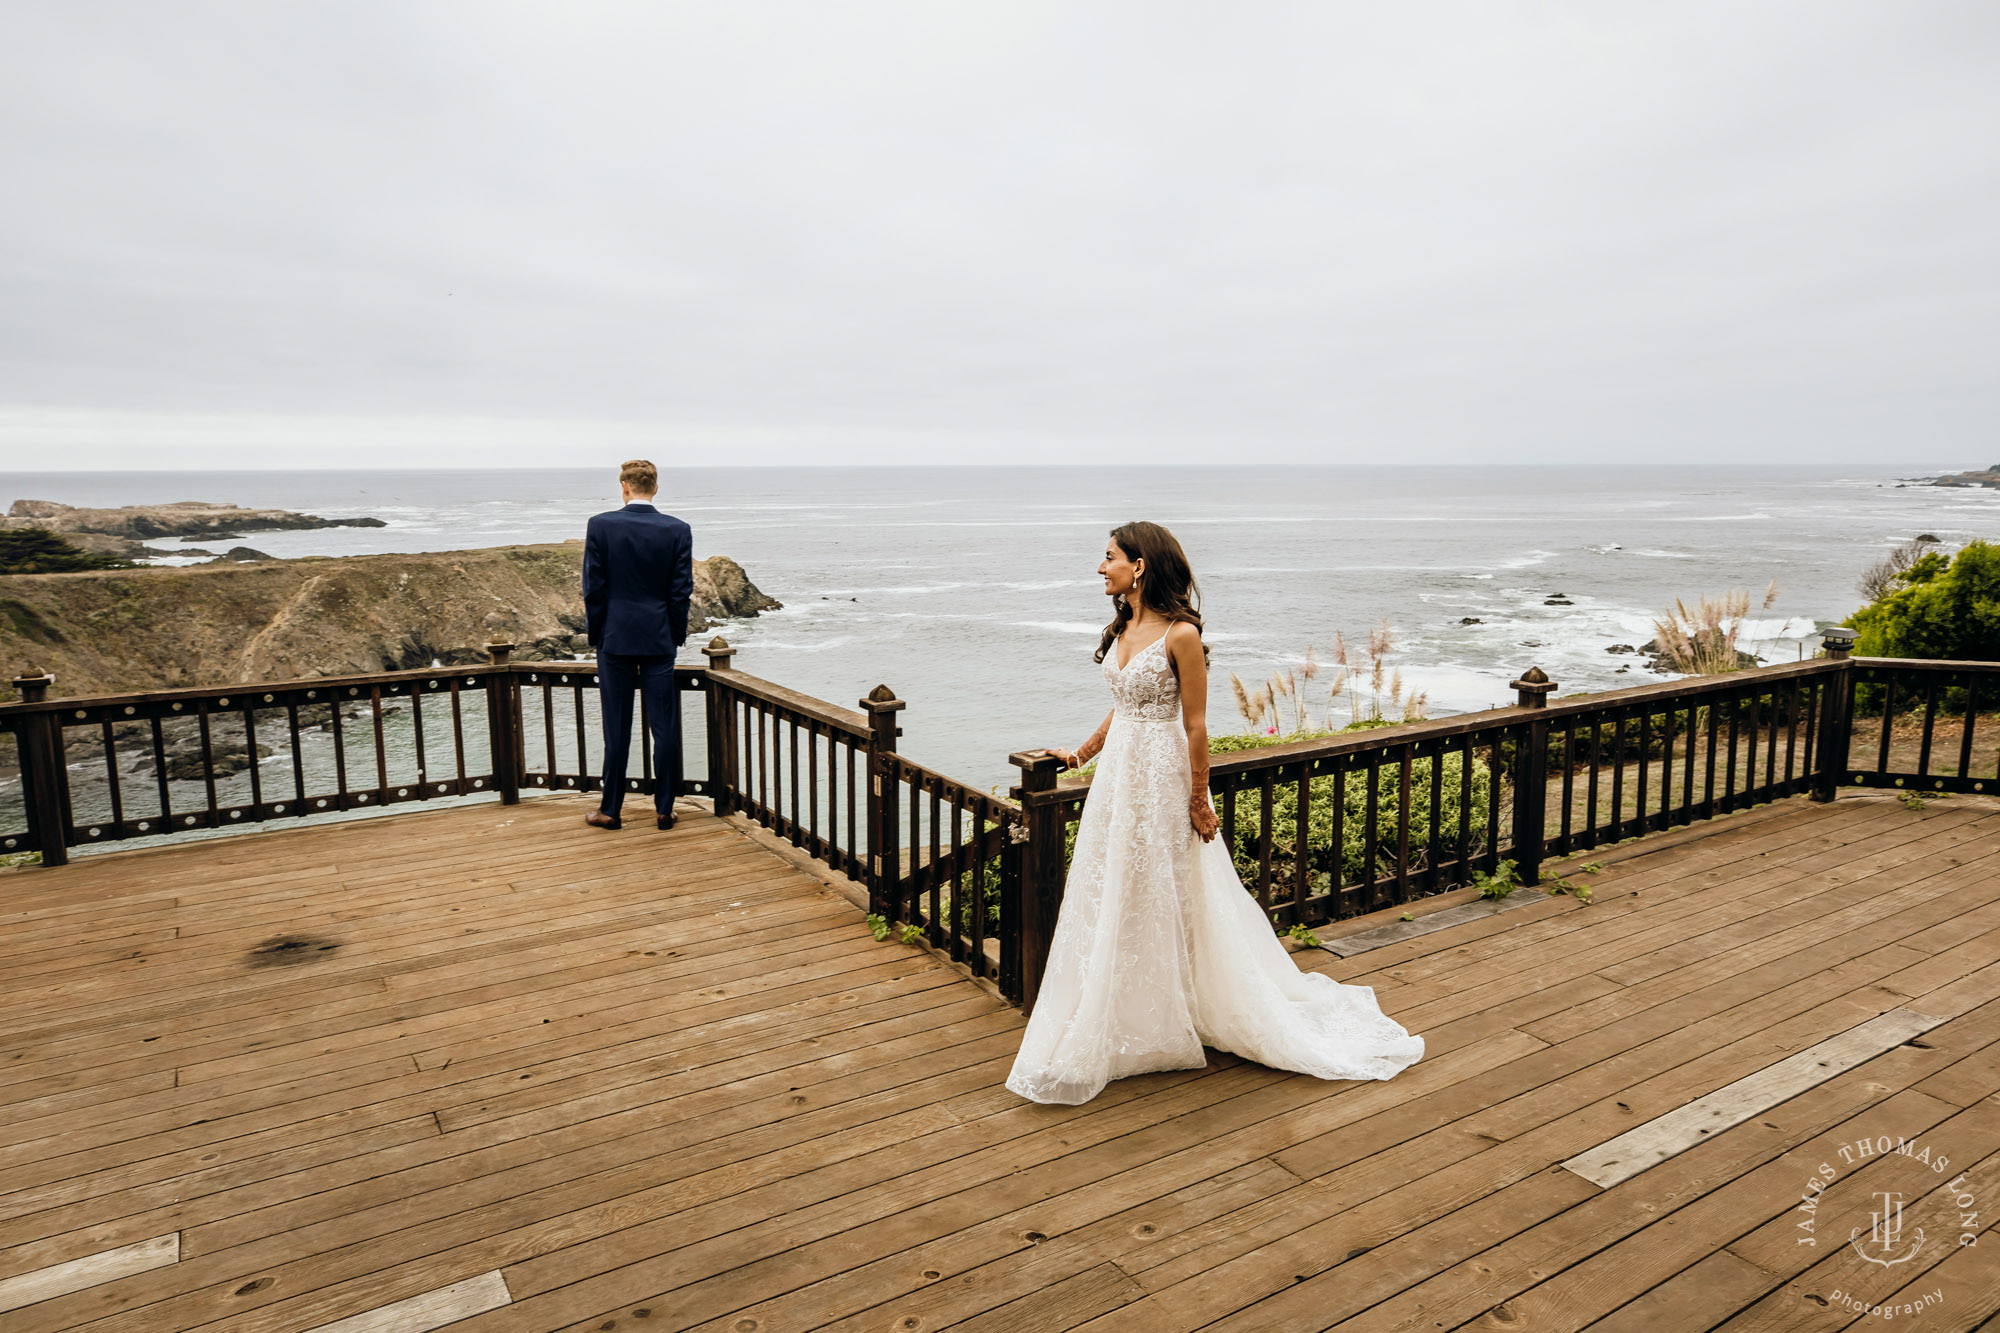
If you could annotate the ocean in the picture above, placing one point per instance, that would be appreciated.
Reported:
(972, 592)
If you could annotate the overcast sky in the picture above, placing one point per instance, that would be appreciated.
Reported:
(430, 233)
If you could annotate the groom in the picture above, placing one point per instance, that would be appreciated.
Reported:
(638, 577)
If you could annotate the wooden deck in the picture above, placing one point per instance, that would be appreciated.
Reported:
(495, 1067)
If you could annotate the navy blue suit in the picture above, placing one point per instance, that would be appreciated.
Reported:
(638, 578)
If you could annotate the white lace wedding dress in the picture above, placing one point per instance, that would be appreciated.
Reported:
(1159, 949)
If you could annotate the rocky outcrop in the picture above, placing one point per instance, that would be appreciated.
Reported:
(1988, 477)
(229, 623)
(185, 518)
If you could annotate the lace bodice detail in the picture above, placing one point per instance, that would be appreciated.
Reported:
(1146, 689)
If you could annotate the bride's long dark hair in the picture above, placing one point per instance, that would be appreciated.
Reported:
(1168, 586)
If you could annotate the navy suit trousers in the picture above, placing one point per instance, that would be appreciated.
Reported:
(618, 677)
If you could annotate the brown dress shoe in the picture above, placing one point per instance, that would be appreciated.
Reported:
(664, 821)
(598, 819)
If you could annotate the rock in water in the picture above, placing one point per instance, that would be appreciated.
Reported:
(186, 518)
(228, 623)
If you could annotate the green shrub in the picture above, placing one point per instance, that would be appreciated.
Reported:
(1940, 607)
(1321, 855)
(39, 551)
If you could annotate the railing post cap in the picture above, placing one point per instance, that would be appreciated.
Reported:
(882, 699)
(1039, 770)
(497, 651)
(718, 647)
(33, 684)
(1533, 688)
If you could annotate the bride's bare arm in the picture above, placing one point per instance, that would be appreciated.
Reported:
(1084, 753)
(1184, 648)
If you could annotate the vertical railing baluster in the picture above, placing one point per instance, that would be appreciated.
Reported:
(1434, 842)
(381, 749)
(1730, 771)
(207, 759)
(813, 843)
(1496, 769)
(160, 771)
(962, 861)
(457, 734)
(1336, 886)
(853, 839)
(1264, 837)
(1771, 746)
(1749, 788)
(910, 873)
(1888, 712)
(936, 886)
(1930, 723)
(1616, 823)
(1971, 720)
(977, 889)
(1708, 777)
(583, 740)
(1813, 696)
(1463, 873)
(797, 836)
(111, 777)
(1642, 818)
(1688, 767)
(1791, 733)
(1302, 845)
(549, 729)
(1403, 825)
(256, 760)
(298, 758)
(1590, 783)
(1371, 874)
(1566, 846)
(417, 729)
(1667, 769)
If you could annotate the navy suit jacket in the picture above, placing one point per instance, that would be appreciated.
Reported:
(638, 578)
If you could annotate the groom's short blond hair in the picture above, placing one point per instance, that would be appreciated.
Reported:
(641, 476)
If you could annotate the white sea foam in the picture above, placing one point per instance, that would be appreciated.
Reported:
(1061, 626)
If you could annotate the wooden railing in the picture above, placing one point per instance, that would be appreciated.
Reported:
(1320, 829)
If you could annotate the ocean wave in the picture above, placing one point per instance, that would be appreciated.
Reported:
(1061, 626)
(1759, 517)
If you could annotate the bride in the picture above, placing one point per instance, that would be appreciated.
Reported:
(1159, 949)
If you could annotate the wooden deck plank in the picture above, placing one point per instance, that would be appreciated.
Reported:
(771, 1117)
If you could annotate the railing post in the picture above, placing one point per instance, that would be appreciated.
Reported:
(885, 861)
(45, 775)
(1531, 776)
(1837, 723)
(1042, 870)
(721, 753)
(503, 725)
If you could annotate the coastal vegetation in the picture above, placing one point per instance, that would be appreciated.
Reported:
(39, 551)
(1700, 640)
(1930, 604)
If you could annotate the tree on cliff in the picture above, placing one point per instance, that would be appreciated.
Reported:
(39, 551)
(1940, 606)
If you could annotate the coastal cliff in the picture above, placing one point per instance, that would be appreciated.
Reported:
(130, 630)
(183, 518)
